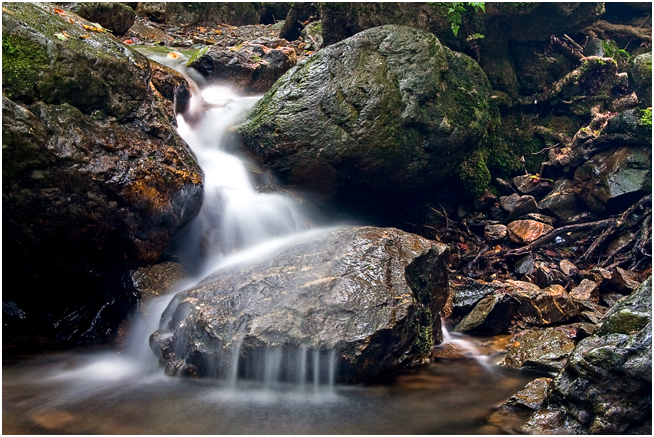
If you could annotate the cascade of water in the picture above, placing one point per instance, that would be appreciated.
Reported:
(468, 348)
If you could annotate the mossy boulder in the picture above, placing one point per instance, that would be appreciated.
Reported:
(640, 73)
(95, 177)
(372, 120)
(372, 296)
(606, 386)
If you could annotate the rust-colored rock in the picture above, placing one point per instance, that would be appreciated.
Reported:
(587, 290)
(526, 231)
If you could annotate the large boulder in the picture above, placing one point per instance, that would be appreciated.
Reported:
(371, 295)
(373, 119)
(95, 178)
(606, 387)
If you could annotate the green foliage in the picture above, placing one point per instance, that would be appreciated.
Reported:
(646, 117)
(197, 55)
(456, 11)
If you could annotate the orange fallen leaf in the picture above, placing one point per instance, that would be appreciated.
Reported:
(129, 41)
(173, 55)
(85, 36)
(60, 11)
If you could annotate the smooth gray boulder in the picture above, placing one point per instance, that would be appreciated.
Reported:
(371, 295)
(373, 119)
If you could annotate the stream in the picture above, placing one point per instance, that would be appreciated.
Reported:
(104, 391)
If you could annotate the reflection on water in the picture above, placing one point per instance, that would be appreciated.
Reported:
(83, 393)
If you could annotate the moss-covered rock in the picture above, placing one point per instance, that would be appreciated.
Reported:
(640, 73)
(606, 386)
(374, 119)
(95, 177)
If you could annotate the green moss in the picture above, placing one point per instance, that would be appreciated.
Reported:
(474, 173)
(22, 63)
(646, 117)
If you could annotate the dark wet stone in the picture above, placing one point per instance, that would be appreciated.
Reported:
(508, 202)
(561, 202)
(491, 315)
(524, 265)
(251, 68)
(632, 314)
(367, 121)
(546, 276)
(156, 280)
(567, 267)
(606, 387)
(533, 395)
(542, 307)
(546, 349)
(623, 281)
(468, 294)
(524, 205)
(527, 184)
(374, 295)
(115, 16)
(586, 290)
(503, 186)
(612, 180)
(640, 73)
(494, 233)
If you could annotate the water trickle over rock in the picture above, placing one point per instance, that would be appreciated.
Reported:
(373, 295)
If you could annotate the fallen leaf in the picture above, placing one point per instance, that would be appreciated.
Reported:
(85, 36)
(551, 253)
(173, 55)
(129, 41)
(61, 36)
(66, 34)
(60, 11)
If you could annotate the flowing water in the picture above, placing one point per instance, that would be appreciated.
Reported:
(284, 392)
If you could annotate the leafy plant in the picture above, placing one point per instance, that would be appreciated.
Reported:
(456, 11)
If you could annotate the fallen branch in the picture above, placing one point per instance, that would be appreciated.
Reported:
(602, 27)
(623, 221)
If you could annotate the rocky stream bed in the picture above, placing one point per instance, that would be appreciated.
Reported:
(425, 183)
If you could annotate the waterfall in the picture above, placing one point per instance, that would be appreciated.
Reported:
(466, 346)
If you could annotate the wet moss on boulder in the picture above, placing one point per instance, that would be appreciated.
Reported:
(372, 120)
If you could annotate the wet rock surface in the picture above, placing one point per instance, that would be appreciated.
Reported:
(606, 385)
(546, 349)
(355, 121)
(95, 177)
(114, 16)
(373, 295)
(612, 180)
(251, 68)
